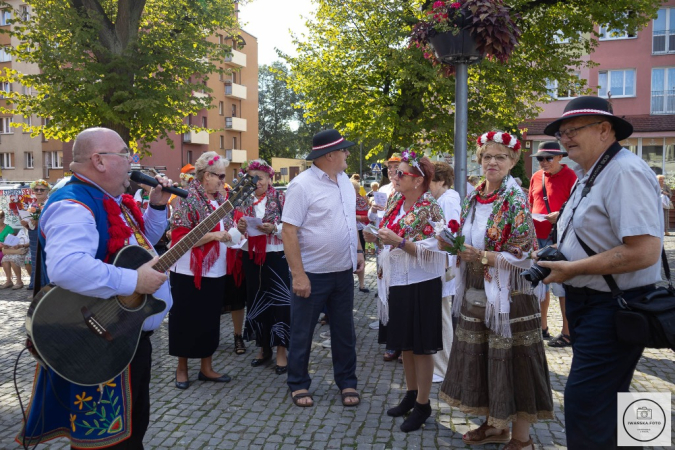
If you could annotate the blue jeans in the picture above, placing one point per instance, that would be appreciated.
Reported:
(335, 292)
(601, 367)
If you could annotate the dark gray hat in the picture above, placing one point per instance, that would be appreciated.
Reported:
(550, 149)
(592, 106)
(327, 141)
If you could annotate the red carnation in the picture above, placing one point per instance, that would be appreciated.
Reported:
(506, 138)
(428, 230)
(491, 135)
(453, 225)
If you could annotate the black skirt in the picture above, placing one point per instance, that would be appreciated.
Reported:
(415, 318)
(194, 319)
(234, 297)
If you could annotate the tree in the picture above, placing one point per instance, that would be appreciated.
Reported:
(355, 69)
(129, 65)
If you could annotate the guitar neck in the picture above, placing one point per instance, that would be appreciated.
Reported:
(183, 246)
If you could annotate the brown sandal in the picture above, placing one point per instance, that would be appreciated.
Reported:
(350, 394)
(479, 436)
(300, 395)
(515, 444)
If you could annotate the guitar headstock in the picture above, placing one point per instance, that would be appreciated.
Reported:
(241, 192)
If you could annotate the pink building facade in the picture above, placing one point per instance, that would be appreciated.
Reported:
(638, 73)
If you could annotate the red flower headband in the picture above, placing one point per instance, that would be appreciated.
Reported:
(500, 138)
(261, 165)
(214, 159)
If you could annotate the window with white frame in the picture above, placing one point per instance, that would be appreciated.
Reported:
(28, 158)
(663, 35)
(5, 56)
(25, 12)
(222, 141)
(663, 90)
(5, 16)
(5, 88)
(621, 83)
(27, 90)
(27, 120)
(7, 160)
(54, 160)
(558, 93)
(608, 34)
(4, 125)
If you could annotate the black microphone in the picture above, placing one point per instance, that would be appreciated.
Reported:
(140, 177)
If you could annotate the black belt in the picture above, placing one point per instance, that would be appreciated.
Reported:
(588, 291)
(146, 334)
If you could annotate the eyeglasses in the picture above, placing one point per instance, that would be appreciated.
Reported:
(400, 173)
(39, 190)
(124, 154)
(221, 176)
(571, 132)
(547, 158)
(499, 158)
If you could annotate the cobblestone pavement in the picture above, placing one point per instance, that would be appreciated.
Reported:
(254, 411)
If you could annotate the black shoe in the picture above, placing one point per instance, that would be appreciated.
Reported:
(260, 361)
(221, 379)
(365, 290)
(405, 406)
(417, 417)
(545, 334)
(280, 370)
(182, 384)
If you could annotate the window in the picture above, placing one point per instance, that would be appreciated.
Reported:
(189, 156)
(608, 35)
(54, 160)
(663, 91)
(558, 93)
(663, 36)
(5, 16)
(221, 108)
(234, 77)
(28, 122)
(222, 141)
(234, 143)
(25, 12)
(204, 122)
(5, 55)
(28, 158)
(27, 90)
(4, 125)
(621, 83)
(189, 119)
(220, 39)
(5, 88)
(6, 160)
(234, 110)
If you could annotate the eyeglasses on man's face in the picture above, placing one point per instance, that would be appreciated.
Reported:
(125, 153)
(545, 158)
(571, 132)
(499, 158)
(221, 176)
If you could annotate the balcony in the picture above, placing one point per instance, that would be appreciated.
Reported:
(237, 59)
(663, 41)
(234, 90)
(236, 156)
(235, 123)
(194, 137)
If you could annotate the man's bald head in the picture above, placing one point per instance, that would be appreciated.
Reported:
(93, 140)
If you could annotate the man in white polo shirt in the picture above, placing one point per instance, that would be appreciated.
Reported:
(322, 248)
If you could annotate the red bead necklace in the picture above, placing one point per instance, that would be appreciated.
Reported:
(480, 198)
(260, 199)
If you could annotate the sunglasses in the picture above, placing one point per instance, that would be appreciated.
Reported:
(400, 173)
(39, 190)
(221, 176)
(547, 158)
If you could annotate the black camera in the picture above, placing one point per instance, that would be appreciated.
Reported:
(536, 273)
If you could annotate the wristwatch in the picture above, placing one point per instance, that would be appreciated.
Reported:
(484, 260)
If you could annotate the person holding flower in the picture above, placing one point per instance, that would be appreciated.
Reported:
(40, 190)
(497, 363)
(409, 283)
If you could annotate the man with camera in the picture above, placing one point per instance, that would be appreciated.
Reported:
(613, 214)
(550, 188)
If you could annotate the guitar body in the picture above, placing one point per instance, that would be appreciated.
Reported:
(90, 340)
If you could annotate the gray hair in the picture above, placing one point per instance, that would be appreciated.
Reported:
(216, 162)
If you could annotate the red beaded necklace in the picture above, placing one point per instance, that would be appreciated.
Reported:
(480, 198)
(260, 199)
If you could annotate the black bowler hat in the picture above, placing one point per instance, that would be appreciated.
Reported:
(327, 141)
(550, 149)
(592, 106)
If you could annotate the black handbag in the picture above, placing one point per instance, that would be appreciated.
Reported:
(649, 320)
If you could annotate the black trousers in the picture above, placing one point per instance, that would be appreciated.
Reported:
(139, 369)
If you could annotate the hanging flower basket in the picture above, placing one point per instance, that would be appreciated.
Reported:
(451, 48)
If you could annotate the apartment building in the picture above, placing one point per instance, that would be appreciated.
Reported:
(638, 73)
(233, 116)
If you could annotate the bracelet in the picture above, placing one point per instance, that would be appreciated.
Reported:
(402, 244)
(158, 207)
(359, 251)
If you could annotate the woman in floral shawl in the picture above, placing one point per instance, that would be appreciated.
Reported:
(198, 277)
(409, 285)
(268, 282)
(497, 363)
(40, 190)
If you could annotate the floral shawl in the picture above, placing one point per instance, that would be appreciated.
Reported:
(414, 227)
(187, 215)
(509, 230)
(257, 245)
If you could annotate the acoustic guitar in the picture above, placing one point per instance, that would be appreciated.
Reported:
(90, 340)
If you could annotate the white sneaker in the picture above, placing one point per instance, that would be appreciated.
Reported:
(437, 379)
(326, 343)
(325, 335)
(375, 325)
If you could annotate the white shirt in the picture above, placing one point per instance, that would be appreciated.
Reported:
(259, 211)
(325, 213)
(451, 206)
(218, 269)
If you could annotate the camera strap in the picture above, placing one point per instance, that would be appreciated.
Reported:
(543, 188)
(606, 157)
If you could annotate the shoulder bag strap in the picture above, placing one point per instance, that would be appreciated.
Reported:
(543, 188)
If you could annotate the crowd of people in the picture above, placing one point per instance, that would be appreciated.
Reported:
(458, 312)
